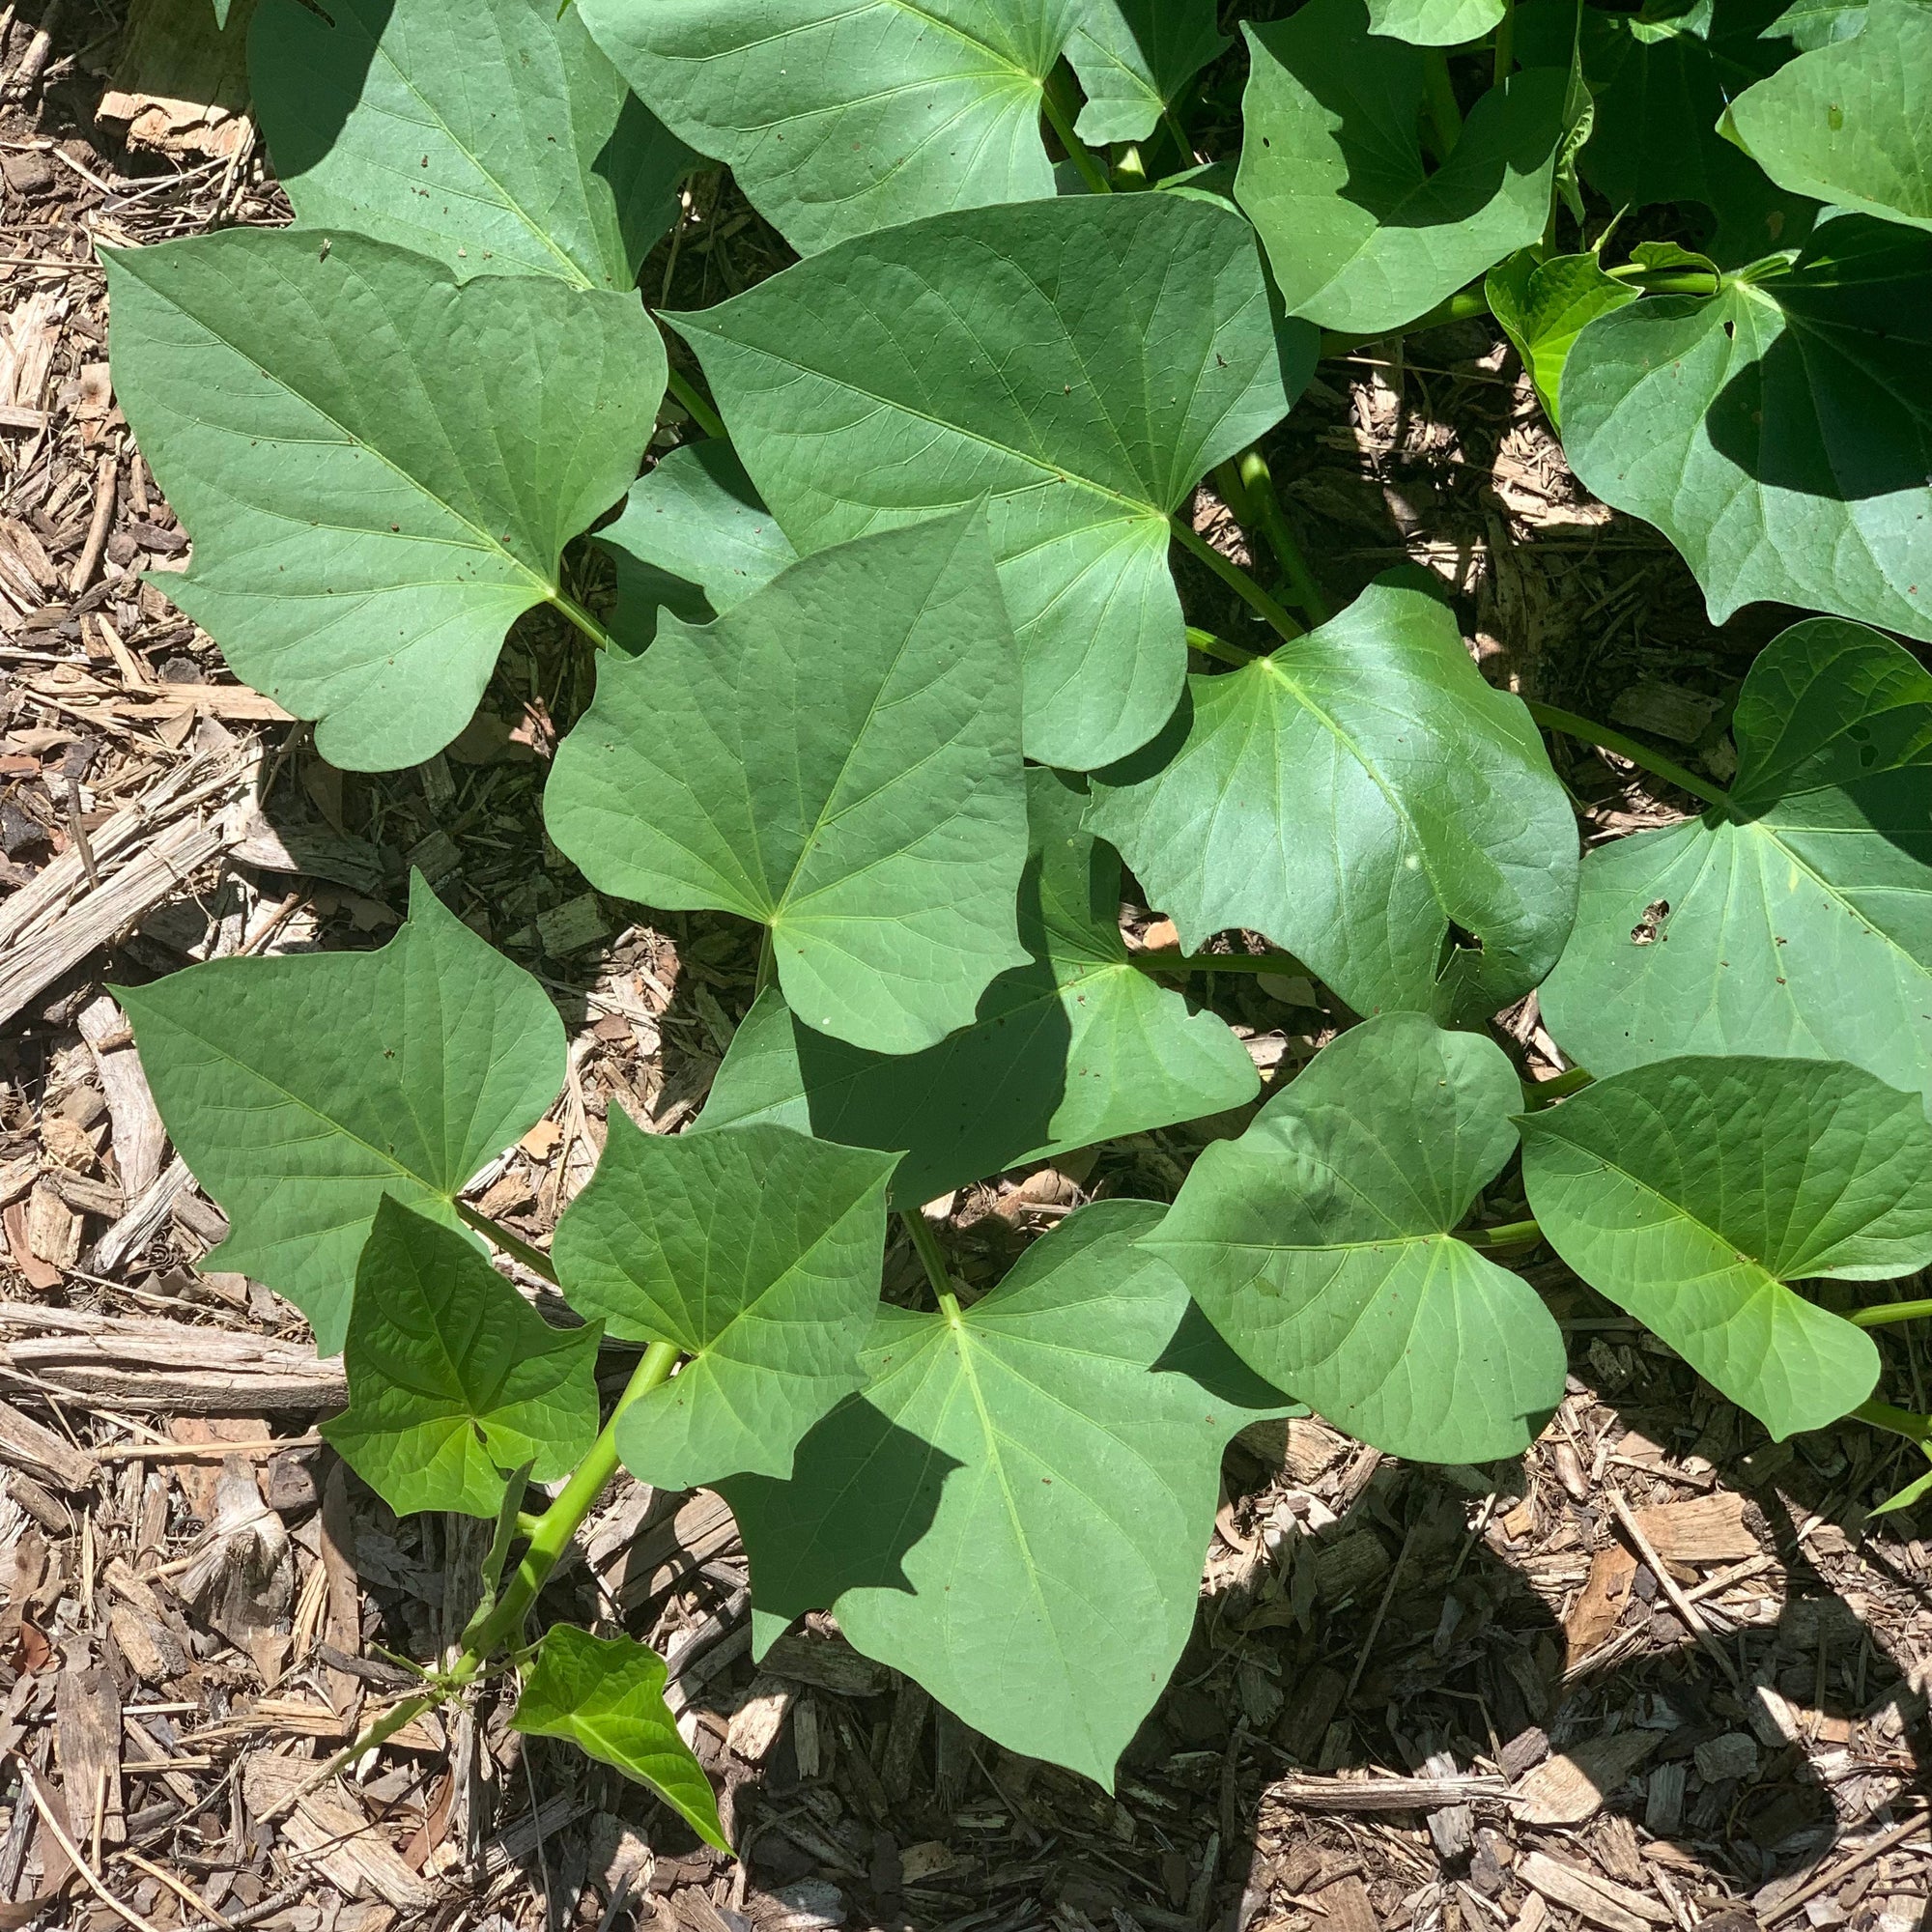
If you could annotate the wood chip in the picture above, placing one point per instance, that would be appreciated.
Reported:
(1385, 1793)
(826, 1664)
(1601, 1900)
(49, 1458)
(333, 1834)
(756, 1722)
(1702, 1529)
(1600, 1603)
(1568, 1789)
(140, 1140)
(1346, 1906)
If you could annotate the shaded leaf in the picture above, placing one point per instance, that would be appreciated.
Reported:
(364, 532)
(1083, 363)
(1543, 307)
(843, 766)
(1070, 1479)
(1361, 234)
(1134, 59)
(1434, 23)
(607, 1695)
(1810, 24)
(1356, 796)
(1321, 1245)
(490, 135)
(1690, 1192)
(1794, 920)
(1077, 1046)
(758, 1252)
(454, 1378)
(935, 106)
(302, 1090)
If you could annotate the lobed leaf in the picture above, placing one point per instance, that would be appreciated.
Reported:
(1015, 1509)
(1692, 1192)
(607, 1695)
(758, 1252)
(1797, 918)
(454, 1378)
(1320, 1243)
(302, 1090)
(1361, 234)
(838, 117)
(364, 532)
(1134, 59)
(1358, 796)
(490, 135)
(1077, 1046)
(1543, 305)
(1083, 363)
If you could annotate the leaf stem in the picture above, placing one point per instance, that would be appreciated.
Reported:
(695, 405)
(562, 601)
(1882, 1314)
(1445, 117)
(1053, 104)
(1235, 577)
(1668, 281)
(931, 1255)
(1219, 962)
(1464, 305)
(1541, 1093)
(1259, 482)
(534, 1258)
(1211, 647)
(1510, 1234)
(1900, 1421)
(1505, 43)
(1590, 733)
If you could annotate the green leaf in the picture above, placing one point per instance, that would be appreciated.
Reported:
(1360, 233)
(758, 1252)
(303, 1089)
(1134, 59)
(1812, 24)
(607, 1695)
(1434, 23)
(1319, 1244)
(842, 763)
(1777, 432)
(490, 135)
(1543, 305)
(1904, 1498)
(1015, 1510)
(936, 106)
(1848, 123)
(365, 526)
(1084, 362)
(1356, 796)
(1796, 920)
(1690, 1192)
(454, 1378)
(1661, 77)
(1077, 1046)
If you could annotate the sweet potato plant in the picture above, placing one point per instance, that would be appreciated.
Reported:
(900, 672)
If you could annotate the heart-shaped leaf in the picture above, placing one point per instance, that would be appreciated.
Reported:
(1690, 1192)
(1356, 797)
(1083, 363)
(838, 117)
(365, 531)
(1797, 918)
(1321, 1245)
(842, 763)
(1060, 1479)
(758, 1252)
(1847, 124)
(1077, 1046)
(302, 1090)
(454, 1378)
(1134, 59)
(1777, 432)
(490, 135)
(1434, 23)
(1544, 306)
(1361, 234)
(608, 1695)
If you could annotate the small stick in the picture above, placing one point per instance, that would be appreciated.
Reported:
(188, 1451)
(1381, 1611)
(174, 1886)
(83, 570)
(32, 1785)
(34, 59)
(1863, 1856)
(1693, 1618)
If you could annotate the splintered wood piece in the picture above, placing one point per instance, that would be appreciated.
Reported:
(1601, 1602)
(1568, 1789)
(1702, 1529)
(1601, 1900)
(333, 1834)
(32, 1446)
(140, 1140)
(87, 1741)
(1385, 1793)
(1346, 1904)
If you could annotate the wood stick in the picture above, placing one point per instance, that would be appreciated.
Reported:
(189, 1452)
(33, 1789)
(1693, 1618)
(82, 573)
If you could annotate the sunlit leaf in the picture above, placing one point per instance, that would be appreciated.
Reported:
(1543, 305)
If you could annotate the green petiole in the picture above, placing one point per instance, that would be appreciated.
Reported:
(1881, 1315)
(1235, 577)
(1589, 732)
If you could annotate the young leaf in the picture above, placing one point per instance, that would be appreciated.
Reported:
(302, 1090)
(1775, 432)
(1792, 920)
(490, 135)
(1661, 77)
(758, 1252)
(380, 469)
(1014, 1511)
(454, 1378)
(1319, 1244)
(1134, 59)
(1361, 234)
(1691, 1191)
(838, 758)
(1847, 124)
(1356, 796)
(607, 1695)
(935, 106)
(1085, 362)
(1077, 1046)
(1434, 23)
(1543, 305)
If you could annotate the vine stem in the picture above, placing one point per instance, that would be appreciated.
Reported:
(1505, 43)
(696, 405)
(562, 600)
(1211, 647)
(1464, 305)
(1899, 1421)
(932, 1256)
(1235, 577)
(1258, 479)
(1054, 107)
(1882, 1314)
(1219, 962)
(1510, 1234)
(1445, 117)
(1589, 732)
(534, 1258)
